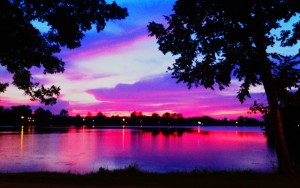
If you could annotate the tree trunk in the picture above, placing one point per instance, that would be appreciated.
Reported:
(285, 164)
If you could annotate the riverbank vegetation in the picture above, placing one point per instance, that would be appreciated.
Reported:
(24, 115)
(132, 176)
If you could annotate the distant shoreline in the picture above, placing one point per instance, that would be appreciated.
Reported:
(23, 115)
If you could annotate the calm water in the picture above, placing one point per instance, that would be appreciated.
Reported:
(82, 150)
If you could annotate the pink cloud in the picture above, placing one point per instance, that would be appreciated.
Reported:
(84, 76)
(163, 94)
(106, 46)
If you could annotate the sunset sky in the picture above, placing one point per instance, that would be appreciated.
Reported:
(121, 70)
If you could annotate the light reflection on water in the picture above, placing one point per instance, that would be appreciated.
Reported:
(82, 150)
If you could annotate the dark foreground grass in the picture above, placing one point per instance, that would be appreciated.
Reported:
(134, 177)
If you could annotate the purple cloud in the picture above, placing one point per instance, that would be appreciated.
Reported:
(163, 94)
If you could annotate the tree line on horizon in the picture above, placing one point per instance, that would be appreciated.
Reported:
(24, 115)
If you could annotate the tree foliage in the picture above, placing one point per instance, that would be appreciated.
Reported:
(23, 46)
(217, 40)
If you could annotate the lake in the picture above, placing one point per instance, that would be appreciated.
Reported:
(83, 150)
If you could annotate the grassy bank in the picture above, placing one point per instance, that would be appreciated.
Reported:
(133, 177)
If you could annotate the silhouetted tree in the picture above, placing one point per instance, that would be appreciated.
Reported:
(166, 118)
(62, 119)
(155, 119)
(2, 120)
(78, 120)
(291, 121)
(116, 120)
(43, 117)
(99, 114)
(136, 118)
(155, 115)
(100, 118)
(24, 47)
(291, 110)
(241, 120)
(217, 40)
(18, 114)
(23, 110)
(206, 120)
(64, 113)
(166, 115)
(176, 116)
(88, 120)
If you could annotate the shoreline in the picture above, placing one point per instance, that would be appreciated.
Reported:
(134, 177)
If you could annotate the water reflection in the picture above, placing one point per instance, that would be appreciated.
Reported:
(86, 149)
(22, 139)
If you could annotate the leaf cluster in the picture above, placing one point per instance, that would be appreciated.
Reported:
(216, 40)
(23, 46)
